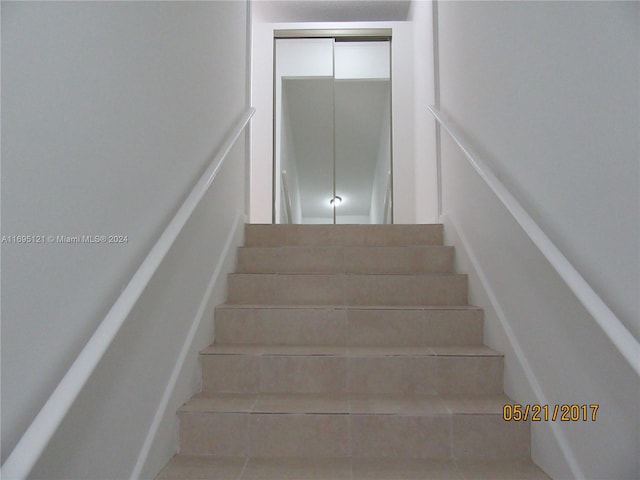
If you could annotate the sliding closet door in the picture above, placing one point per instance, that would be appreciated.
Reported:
(332, 128)
(362, 90)
(304, 148)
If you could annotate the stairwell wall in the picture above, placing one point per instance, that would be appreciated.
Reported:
(548, 94)
(111, 112)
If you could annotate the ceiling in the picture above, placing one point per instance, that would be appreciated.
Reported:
(330, 11)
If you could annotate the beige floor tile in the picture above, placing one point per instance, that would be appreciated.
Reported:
(224, 402)
(469, 375)
(265, 235)
(393, 375)
(259, 260)
(218, 434)
(302, 289)
(233, 349)
(281, 326)
(403, 260)
(297, 469)
(453, 327)
(442, 289)
(230, 373)
(489, 437)
(202, 468)
(292, 403)
(432, 259)
(381, 290)
(307, 326)
(303, 374)
(321, 235)
(501, 470)
(465, 351)
(241, 326)
(393, 235)
(482, 404)
(245, 288)
(312, 260)
(403, 469)
(388, 307)
(275, 435)
(396, 405)
(400, 290)
(292, 259)
(398, 436)
(390, 351)
(385, 327)
(304, 350)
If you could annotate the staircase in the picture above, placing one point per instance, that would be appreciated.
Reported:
(349, 352)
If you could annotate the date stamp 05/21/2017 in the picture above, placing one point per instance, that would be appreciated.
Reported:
(544, 413)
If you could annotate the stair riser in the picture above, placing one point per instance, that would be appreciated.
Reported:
(464, 437)
(338, 289)
(419, 375)
(363, 260)
(342, 235)
(353, 326)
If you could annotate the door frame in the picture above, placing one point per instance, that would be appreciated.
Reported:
(338, 34)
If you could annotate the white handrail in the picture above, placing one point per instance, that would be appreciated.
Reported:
(626, 343)
(28, 450)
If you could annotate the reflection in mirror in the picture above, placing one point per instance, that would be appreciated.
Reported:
(307, 148)
(363, 150)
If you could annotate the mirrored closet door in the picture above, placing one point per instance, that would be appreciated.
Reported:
(332, 131)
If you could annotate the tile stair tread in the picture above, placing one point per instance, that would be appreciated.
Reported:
(364, 351)
(336, 247)
(341, 468)
(347, 250)
(347, 307)
(346, 274)
(397, 234)
(342, 404)
(322, 259)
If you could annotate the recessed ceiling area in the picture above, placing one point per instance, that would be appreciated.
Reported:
(330, 11)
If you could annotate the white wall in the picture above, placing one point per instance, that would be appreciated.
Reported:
(555, 111)
(426, 186)
(548, 94)
(262, 126)
(554, 352)
(110, 112)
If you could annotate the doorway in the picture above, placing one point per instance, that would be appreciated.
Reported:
(332, 127)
